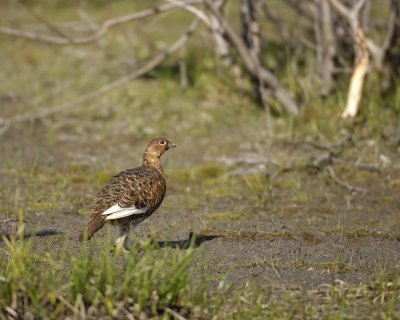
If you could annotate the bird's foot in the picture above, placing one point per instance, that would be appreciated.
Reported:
(121, 250)
(119, 245)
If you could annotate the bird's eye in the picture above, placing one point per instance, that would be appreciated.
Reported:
(162, 142)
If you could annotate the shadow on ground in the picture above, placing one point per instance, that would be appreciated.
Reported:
(195, 240)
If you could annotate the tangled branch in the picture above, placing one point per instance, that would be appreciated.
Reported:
(101, 32)
(264, 75)
(149, 65)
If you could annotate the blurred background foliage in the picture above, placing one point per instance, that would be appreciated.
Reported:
(288, 47)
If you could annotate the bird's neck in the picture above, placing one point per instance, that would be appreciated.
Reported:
(152, 161)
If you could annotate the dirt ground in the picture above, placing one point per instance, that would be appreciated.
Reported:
(260, 211)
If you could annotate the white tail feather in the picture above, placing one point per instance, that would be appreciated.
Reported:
(117, 212)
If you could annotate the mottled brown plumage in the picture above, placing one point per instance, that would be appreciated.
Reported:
(132, 195)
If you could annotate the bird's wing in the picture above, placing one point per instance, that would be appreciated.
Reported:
(129, 193)
(117, 212)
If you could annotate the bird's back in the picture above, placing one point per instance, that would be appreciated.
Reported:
(139, 187)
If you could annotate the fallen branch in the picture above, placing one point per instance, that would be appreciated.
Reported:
(341, 183)
(325, 161)
(334, 148)
(150, 65)
(358, 165)
(331, 147)
(102, 31)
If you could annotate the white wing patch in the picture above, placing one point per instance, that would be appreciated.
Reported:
(117, 212)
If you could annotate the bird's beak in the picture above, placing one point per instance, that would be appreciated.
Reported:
(171, 145)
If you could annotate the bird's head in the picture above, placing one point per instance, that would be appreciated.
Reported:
(158, 146)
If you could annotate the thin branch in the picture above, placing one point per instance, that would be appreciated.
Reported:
(341, 8)
(327, 48)
(68, 305)
(12, 312)
(348, 13)
(275, 270)
(359, 165)
(301, 8)
(332, 148)
(42, 20)
(222, 46)
(266, 76)
(102, 31)
(341, 183)
(150, 65)
(359, 5)
(200, 14)
(235, 38)
(391, 28)
(173, 313)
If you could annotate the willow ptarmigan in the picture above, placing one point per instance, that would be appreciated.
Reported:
(132, 195)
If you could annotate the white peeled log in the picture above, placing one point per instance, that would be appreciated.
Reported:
(357, 78)
(353, 16)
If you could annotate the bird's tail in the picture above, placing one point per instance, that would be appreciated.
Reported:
(95, 224)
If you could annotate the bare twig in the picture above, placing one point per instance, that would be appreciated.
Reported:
(333, 148)
(266, 76)
(8, 220)
(42, 20)
(222, 46)
(12, 312)
(183, 69)
(280, 26)
(4, 125)
(286, 33)
(341, 8)
(74, 309)
(301, 8)
(150, 65)
(92, 25)
(326, 46)
(200, 14)
(358, 165)
(349, 14)
(321, 161)
(330, 147)
(275, 270)
(128, 315)
(341, 183)
(103, 29)
(80, 307)
(173, 313)
(252, 38)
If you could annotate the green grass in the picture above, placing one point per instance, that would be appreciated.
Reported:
(149, 282)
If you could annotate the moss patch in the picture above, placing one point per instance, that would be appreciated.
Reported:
(249, 235)
(310, 238)
(224, 216)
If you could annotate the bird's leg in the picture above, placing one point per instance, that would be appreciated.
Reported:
(121, 236)
(131, 227)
